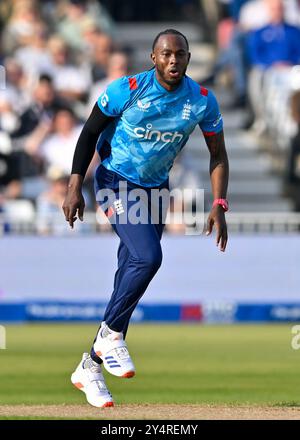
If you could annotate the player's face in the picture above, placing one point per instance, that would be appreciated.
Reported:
(171, 58)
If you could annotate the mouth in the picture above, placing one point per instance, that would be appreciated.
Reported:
(174, 73)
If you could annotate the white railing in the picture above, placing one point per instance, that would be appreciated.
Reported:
(270, 222)
(264, 222)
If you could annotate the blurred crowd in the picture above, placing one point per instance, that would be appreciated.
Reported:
(258, 44)
(58, 57)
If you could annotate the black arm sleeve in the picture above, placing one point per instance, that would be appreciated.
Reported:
(85, 147)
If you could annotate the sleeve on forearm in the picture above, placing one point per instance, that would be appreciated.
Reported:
(86, 144)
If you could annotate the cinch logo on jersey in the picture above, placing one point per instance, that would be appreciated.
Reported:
(157, 135)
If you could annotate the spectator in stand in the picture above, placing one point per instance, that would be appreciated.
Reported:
(292, 11)
(35, 124)
(10, 186)
(293, 169)
(117, 67)
(234, 7)
(71, 14)
(5, 12)
(34, 56)
(70, 27)
(58, 148)
(231, 50)
(44, 103)
(12, 101)
(240, 18)
(21, 23)
(89, 35)
(100, 54)
(275, 45)
(97, 50)
(254, 15)
(49, 202)
(70, 81)
(15, 93)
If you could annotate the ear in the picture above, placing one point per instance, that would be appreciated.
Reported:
(153, 58)
(189, 57)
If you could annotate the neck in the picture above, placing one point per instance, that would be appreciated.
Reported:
(165, 85)
(277, 22)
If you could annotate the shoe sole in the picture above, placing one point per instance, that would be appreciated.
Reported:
(128, 375)
(80, 387)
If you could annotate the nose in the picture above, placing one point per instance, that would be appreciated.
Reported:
(173, 59)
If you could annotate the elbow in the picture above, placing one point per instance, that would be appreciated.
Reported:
(219, 163)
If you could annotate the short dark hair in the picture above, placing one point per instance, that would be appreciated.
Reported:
(44, 77)
(169, 32)
(63, 107)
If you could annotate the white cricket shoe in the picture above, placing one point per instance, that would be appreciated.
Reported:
(112, 349)
(88, 378)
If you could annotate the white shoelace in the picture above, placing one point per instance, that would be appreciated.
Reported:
(122, 353)
(96, 371)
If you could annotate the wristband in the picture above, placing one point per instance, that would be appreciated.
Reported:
(222, 202)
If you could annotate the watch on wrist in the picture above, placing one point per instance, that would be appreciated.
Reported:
(222, 202)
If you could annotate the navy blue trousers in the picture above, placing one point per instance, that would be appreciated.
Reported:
(139, 253)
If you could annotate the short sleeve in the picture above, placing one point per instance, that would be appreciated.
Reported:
(114, 99)
(212, 121)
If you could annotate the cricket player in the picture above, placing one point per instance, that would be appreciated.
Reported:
(139, 125)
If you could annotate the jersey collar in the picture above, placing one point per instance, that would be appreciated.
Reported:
(162, 89)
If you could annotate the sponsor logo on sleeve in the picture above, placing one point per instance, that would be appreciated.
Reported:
(217, 121)
(104, 99)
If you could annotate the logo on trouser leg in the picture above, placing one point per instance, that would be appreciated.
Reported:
(118, 206)
(176, 209)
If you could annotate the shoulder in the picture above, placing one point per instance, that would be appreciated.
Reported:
(258, 32)
(211, 122)
(118, 85)
(131, 82)
(205, 95)
(292, 29)
(192, 84)
(197, 90)
(120, 92)
(139, 82)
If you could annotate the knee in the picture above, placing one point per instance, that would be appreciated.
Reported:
(152, 260)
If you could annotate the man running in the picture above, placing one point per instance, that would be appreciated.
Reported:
(144, 121)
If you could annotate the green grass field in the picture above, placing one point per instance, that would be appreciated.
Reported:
(196, 364)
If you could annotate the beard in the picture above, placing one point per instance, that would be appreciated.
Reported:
(169, 81)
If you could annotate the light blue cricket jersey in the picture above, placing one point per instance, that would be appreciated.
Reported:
(152, 125)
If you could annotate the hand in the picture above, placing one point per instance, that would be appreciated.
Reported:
(74, 202)
(217, 218)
